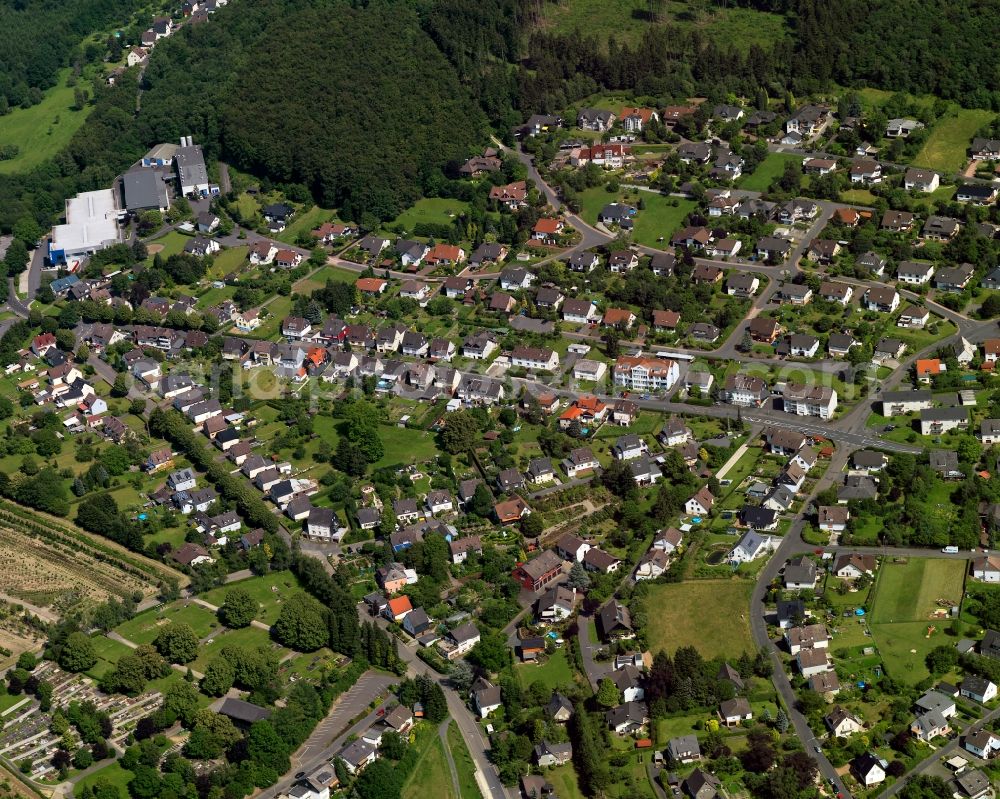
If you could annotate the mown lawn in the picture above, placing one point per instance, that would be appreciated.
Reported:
(947, 145)
(434, 210)
(910, 591)
(904, 647)
(554, 673)
(404, 446)
(277, 310)
(44, 129)
(170, 244)
(857, 197)
(901, 622)
(680, 613)
(660, 218)
(765, 173)
(320, 278)
(112, 773)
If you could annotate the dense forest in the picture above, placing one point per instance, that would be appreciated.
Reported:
(920, 46)
(39, 37)
(356, 104)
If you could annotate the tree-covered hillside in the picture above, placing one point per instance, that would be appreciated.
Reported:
(357, 104)
(38, 37)
(920, 46)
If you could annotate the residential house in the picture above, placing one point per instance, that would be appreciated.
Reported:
(538, 572)
(913, 316)
(645, 374)
(896, 403)
(803, 400)
(634, 120)
(750, 547)
(935, 421)
(578, 461)
(833, 518)
(842, 723)
(614, 621)
(733, 712)
(977, 688)
(923, 180)
(836, 292)
(701, 503)
(940, 228)
(800, 574)
(628, 718)
(897, 221)
(683, 750)
(869, 769)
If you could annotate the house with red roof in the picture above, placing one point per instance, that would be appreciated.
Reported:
(546, 229)
(396, 609)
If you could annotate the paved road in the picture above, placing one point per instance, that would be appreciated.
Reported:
(330, 734)
(489, 782)
(595, 671)
(791, 543)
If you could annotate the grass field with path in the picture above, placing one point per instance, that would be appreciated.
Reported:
(431, 776)
(464, 764)
(319, 279)
(250, 637)
(737, 27)
(857, 197)
(946, 148)
(563, 779)
(767, 170)
(143, 628)
(270, 591)
(108, 652)
(679, 614)
(35, 130)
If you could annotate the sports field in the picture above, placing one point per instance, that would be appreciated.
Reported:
(680, 613)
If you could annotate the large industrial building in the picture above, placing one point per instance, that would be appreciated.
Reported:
(91, 225)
